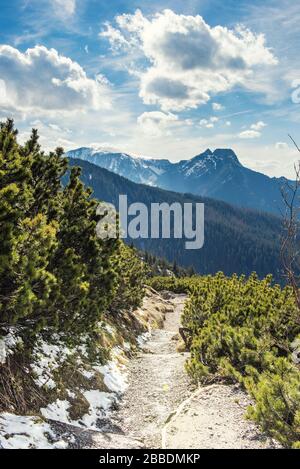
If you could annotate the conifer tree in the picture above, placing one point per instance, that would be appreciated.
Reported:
(26, 238)
(82, 263)
(55, 273)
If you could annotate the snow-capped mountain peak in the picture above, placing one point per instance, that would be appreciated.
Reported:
(138, 169)
(217, 174)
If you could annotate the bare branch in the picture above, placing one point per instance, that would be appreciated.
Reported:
(294, 142)
(289, 246)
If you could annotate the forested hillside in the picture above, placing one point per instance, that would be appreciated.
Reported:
(236, 240)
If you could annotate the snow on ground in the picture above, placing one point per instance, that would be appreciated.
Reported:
(32, 432)
(27, 432)
(57, 410)
(114, 377)
(46, 359)
(114, 374)
(100, 403)
(143, 338)
(8, 343)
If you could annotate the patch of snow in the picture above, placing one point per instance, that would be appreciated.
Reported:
(111, 330)
(156, 170)
(8, 343)
(82, 348)
(127, 346)
(100, 402)
(46, 359)
(19, 432)
(58, 410)
(113, 377)
(141, 339)
(87, 374)
(114, 371)
(61, 444)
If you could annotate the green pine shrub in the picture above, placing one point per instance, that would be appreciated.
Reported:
(55, 273)
(131, 272)
(174, 284)
(242, 330)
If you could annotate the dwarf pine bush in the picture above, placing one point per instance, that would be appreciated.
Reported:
(243, 329)
(55, 273)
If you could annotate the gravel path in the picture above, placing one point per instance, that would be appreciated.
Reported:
(160, 409)
(216, 415)
(157, 383)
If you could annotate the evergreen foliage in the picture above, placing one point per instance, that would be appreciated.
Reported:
(244, 330)
(55, 273)
(159, 266)
(131, 272)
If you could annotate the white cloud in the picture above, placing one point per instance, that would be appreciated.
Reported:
(3, 92)
(157, 123)
(217, 107)
(41, 79)
(209, 123)
(247, 134)
(64, 7)
(189, 60)
(228, 123)
(258, 126)
(115, 37)
(254, 131)
(50, 135)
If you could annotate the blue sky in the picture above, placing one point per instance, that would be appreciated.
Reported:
(163, 79)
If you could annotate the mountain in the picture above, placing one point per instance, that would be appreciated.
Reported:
(140, 170)
(236, 240)
(217, 174)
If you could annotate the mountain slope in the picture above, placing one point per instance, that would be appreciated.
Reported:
(140, 170)
(236, 240)
(217, 174)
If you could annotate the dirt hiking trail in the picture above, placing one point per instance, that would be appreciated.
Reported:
(161, 409)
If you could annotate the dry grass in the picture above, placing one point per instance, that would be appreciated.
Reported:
(18, 390)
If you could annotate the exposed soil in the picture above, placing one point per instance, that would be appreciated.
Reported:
(158, 383)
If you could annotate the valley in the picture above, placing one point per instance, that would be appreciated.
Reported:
(236, 240)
